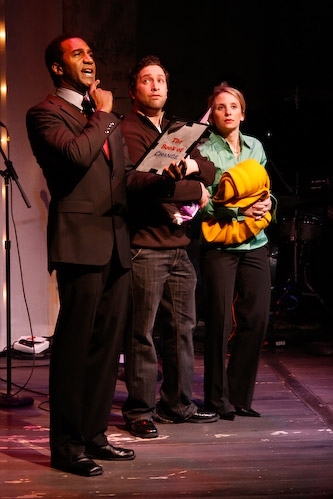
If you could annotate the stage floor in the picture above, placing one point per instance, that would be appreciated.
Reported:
(288, 452)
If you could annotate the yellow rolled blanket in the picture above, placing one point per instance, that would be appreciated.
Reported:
(240, 186)
(243, 185)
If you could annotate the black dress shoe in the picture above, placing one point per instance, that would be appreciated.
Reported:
(229, 416)
(247, 412)
(202, 416)
(78, 464)
(162, 418)
(144, 428)
(109, 453)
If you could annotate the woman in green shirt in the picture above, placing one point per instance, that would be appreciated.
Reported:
(236, 280)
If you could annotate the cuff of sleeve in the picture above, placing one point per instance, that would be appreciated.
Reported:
(191, 166)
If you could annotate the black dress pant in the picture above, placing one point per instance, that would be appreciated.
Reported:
(237, 295)
(95, 312)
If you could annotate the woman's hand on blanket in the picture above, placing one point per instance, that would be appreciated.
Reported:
(258, 209)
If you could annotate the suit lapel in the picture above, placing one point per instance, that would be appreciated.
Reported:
(69, 109)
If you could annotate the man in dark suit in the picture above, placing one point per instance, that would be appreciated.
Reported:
(88, 247)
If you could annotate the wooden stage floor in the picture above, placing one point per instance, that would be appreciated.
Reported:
(288, 452)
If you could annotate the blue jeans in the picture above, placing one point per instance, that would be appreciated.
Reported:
(163, 280)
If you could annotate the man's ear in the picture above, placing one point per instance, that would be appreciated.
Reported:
(57, 69)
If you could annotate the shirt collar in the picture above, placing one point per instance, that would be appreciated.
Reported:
(70, 96)
(159, 127)
(242, 139)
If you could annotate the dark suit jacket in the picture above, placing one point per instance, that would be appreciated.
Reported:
(87, 213)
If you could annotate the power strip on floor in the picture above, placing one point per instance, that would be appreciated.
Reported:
(31, 344)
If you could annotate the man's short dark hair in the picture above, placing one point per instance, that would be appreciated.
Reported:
(54, 53)
(149, 60)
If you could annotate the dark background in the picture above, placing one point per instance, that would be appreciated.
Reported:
(277, 52)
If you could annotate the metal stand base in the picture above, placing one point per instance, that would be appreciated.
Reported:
(14, 401)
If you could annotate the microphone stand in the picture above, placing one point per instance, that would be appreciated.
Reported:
(8, 399)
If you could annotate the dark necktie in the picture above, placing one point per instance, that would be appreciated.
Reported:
(87, 107)
(88, 110)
